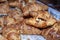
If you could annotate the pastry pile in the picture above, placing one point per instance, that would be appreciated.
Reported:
(27, 17)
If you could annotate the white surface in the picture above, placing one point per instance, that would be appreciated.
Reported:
(54, 12)
(32, 37)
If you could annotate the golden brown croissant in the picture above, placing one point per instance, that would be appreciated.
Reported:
(16, 3)
(42, 20)
(52, 33)
(13, 17)
(31, 7)
(26, 29)
(11, 32)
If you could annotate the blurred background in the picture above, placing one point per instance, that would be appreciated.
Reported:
(52, 3)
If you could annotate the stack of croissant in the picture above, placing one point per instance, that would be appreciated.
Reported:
(27, 17)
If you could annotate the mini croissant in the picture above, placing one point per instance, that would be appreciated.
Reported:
(42, 20)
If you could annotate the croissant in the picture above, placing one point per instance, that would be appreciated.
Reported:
(16, 3)
(31, 7)
(52, 33)
(26, 29)
(13, 17)
(11, 32)
(42, 20)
